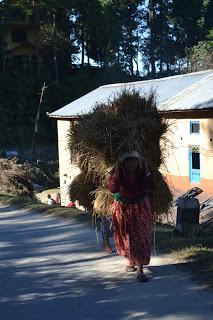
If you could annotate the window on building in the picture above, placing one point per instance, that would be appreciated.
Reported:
(194, 127)
(19, 36)
(195, 160)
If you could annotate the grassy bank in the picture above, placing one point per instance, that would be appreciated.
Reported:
(195, 253)
(35, 205)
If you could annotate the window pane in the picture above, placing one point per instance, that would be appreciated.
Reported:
(19, 36)
(194, 127)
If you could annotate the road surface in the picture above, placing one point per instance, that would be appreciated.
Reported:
(53, 269)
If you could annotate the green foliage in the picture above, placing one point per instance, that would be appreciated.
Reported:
(115, 32)
(110, 34)
(19, 100)
(200, 57)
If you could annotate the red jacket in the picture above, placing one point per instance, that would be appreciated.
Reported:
(120, 182)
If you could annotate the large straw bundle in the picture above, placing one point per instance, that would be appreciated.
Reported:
(81, 190)
(128, 122)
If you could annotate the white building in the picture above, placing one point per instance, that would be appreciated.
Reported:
(185, 100)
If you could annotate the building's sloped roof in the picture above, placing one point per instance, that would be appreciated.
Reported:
(183, 92)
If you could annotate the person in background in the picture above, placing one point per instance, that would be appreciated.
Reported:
(58, 199)
(105, 224)
(71, 203)
(50, 200)
(106, 229)
(132, 184)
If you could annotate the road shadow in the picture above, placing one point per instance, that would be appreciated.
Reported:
(51, 269)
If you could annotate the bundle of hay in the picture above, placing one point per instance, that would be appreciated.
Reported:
(103, 200)
(16, 178)
(128, 122)
(81, 189)
(162, 197)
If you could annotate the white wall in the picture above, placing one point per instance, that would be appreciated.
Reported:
(67, 170)
(207, 148)
(177, 158)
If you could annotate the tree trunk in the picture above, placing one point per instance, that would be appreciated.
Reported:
(152, 38)
(54, 51)
(82, 51)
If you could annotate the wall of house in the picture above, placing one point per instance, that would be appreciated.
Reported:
(25, 50)
(67, 170)
(32, 35)
(177, 162)
(178, 154)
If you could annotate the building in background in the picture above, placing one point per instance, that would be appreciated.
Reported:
(33, 38)
(186, 101)
(19, 42)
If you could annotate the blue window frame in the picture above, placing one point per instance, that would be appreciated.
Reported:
(194, 127)
(194, 164)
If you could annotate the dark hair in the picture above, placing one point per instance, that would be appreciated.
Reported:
(131, 158)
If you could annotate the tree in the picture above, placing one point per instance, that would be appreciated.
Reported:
(200, 56)
(129, 42)
(158, 44)
(52, 20)
(192, 22)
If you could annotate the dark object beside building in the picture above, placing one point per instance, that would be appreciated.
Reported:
(188, 213)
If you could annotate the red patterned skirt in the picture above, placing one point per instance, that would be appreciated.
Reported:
(133, 231)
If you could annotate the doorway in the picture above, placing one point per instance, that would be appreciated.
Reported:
(194, 164)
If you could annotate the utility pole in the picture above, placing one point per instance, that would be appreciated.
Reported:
(37, 119)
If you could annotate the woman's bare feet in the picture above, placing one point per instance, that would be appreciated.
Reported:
(107, 249)
(140, 275)
(106, 245)
(129, 266)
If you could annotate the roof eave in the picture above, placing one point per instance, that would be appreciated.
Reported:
(187, 114)
(59, 117)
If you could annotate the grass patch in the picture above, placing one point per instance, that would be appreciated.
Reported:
(199, 262)
(35, 205)
(196, 251)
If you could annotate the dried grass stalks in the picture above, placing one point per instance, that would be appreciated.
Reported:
(128, 122)
(17, 178)
(162, 197)
(102, 203)
(81, 190)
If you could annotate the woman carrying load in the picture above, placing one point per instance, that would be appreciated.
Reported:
(132, 184)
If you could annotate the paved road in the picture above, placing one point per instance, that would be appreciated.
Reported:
(51, 269)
